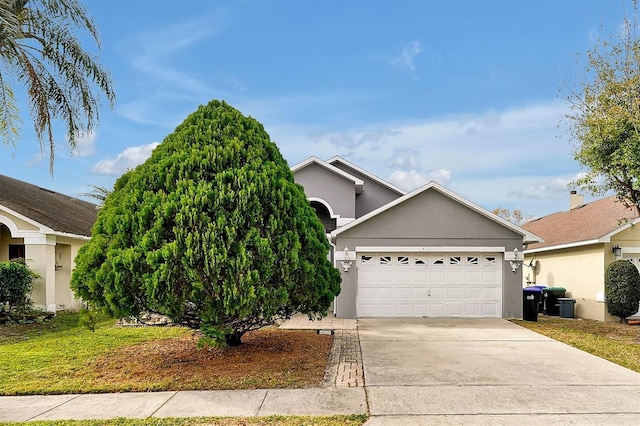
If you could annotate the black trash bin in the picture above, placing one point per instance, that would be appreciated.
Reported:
(530, 300)
(566, 307)
(550, 296)
(541, 303)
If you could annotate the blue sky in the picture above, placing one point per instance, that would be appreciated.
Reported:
(461, 92)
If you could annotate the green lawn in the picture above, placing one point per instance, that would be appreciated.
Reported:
(46, 359)
(353, 420)
(618, 343)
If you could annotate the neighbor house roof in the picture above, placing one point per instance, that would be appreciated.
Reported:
(359, 184)
(58, 212)
(526, 235)
(589, 223)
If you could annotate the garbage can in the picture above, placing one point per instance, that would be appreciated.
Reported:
(530, 301)
(550, 296)
(541, 303)
(566, 307)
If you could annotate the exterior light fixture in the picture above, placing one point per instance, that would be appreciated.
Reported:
(515, 259)
(617, 251)
(347, 259)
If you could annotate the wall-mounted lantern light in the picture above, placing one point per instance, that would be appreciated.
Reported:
(617, 251)
(515, 259)
(346, 258)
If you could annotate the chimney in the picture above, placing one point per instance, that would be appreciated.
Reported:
(575, 200)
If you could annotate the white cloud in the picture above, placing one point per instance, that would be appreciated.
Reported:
(412, 179)
(557, 187)
(85, 145)
(405, 159)
(406, 59)
(126, 160)
(496, 158)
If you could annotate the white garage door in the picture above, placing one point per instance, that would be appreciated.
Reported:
(429, 285)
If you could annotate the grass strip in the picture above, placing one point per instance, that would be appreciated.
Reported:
(351, 420)
(617, 343)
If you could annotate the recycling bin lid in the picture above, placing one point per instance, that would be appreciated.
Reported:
(555, 289)
(533, 289)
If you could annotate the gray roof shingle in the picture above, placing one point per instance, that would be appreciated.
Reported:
(54, 210)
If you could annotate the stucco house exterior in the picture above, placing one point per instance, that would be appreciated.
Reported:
(46, 228)
(429, 253)
(577, 249)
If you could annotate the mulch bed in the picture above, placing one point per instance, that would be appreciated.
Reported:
(268, 358)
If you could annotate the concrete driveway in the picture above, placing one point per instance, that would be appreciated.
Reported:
(488, 372)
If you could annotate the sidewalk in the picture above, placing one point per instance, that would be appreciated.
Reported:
(304, 402)
(343, 392)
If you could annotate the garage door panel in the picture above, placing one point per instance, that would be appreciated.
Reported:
(437, 293)
(429, 285)
(454, 309)
(419, 292)
(403, 292)
(437, 277)
(473, 277)
(490, 276)
(455, 293)
(472, 293)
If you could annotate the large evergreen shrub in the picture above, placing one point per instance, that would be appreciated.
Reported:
(622, 289)
(211, 231)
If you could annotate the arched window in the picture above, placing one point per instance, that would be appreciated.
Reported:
(325, 215)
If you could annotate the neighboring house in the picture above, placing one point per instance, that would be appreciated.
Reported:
(46, 228)
(429, 253)
(577, 249)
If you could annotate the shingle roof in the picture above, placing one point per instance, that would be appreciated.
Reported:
(57, 211)
(588, 222)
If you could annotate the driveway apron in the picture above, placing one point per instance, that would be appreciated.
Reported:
(488, 371)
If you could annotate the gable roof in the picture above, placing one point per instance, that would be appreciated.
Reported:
(58, 212)
(589, 223)
(526, 235)
(338, 159)
(359, 183)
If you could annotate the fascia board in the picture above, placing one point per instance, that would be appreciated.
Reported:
(562, 246)
(367, 174)
(359, 183)
(42, 228)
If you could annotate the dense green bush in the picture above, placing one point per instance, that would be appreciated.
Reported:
(211, 231)
(16, 283)
(622, 289)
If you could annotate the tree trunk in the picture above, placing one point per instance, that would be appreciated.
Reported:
(234, 339)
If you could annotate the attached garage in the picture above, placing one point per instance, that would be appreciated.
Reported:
(430, 253)
(453, 284)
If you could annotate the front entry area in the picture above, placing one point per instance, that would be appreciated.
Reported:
(456, 284)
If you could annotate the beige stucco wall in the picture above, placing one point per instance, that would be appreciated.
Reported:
(5, 240)
(580, 270)
(43, 252)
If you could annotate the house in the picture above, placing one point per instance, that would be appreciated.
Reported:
(46, 228)
(428, 253)
(577, 249)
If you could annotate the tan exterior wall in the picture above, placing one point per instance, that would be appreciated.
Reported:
(49, 256)
(580, 270)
